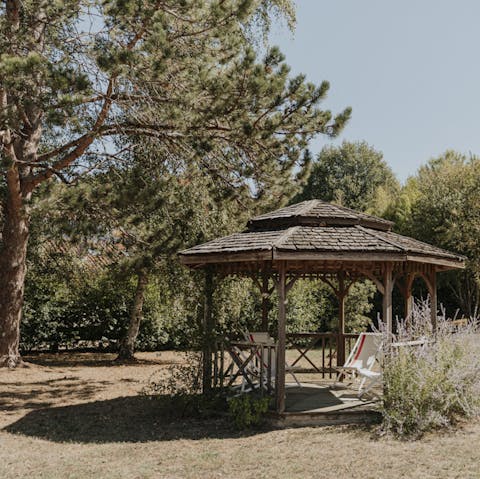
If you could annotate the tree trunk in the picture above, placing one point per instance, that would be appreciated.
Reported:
(127, 344)
(12, 271)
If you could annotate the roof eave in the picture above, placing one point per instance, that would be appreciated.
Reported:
(360, 256)
(285, 255)
(227, 257)
(447, 263)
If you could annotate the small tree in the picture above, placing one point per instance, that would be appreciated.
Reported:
(354, 175)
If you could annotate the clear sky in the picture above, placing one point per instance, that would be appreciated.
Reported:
(410, 70)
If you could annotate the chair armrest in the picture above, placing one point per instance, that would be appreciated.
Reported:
(368, 373)
(418, 342)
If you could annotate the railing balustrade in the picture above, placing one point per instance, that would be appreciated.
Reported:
(244, 365)
(249, 365)
(318, 352)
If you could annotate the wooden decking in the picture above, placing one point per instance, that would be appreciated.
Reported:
(321, 404)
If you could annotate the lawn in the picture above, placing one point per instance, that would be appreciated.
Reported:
(81, 416)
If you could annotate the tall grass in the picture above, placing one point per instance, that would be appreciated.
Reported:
(434, 384)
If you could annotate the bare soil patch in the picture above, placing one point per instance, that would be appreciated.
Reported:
(82, 415)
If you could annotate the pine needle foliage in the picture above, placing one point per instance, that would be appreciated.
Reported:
(80, 77)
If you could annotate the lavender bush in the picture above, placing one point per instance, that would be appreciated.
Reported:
(434, 384)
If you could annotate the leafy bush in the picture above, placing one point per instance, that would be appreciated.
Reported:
(70, 306)
(179, 389)
(248, 410)
(68, 312)
(434, 385)
(183, 378)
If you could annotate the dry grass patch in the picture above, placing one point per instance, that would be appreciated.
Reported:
(82, 416)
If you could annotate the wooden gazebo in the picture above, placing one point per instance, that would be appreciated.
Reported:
(314, 239)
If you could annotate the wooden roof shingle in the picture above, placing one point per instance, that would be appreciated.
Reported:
(315, 230)
(318, 213)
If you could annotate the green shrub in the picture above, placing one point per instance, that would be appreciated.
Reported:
(182, 378)
(248, 410)
(69, 306)
(435, 385)
(178, 389)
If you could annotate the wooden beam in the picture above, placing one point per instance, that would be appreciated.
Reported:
(227, 257)
(371, 276)
(282, 314)
(407, 294)
(327, 281)
(208, 327)
(341, 294)
(449, 263)
(341, 331)
(289, 285)
(387, 315)
(265, 302)
(427, 279)
(336, 256)
(433, 299)
(202, 259)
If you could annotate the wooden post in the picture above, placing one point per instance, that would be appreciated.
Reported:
(387, 315)
(407, 295)
(281, 343)
(265, 302)
(405, 287)
(341, 293)
(208, 326)
(433, 299)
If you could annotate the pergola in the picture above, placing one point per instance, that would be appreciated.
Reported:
(319, 240)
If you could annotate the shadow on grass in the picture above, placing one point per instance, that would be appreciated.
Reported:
(87, 360)
(124, 419)
(36, 394)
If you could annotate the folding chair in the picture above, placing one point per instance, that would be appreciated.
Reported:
(360, 363)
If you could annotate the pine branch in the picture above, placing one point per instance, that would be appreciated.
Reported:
(81, 146)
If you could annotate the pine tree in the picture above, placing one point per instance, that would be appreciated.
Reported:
(74, 74)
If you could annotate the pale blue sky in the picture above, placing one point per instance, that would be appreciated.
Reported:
(409, 69)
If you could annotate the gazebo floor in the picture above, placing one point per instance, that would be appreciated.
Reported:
(321, 405)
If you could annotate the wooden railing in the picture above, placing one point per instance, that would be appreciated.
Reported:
(244, 365)
(312, 352)
(250, 365)
(318, 353)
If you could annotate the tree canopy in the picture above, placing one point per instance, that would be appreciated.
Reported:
(354, 175)
(441, 205)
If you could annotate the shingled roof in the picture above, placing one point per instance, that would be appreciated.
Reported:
(318, 213)
(316, 230)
